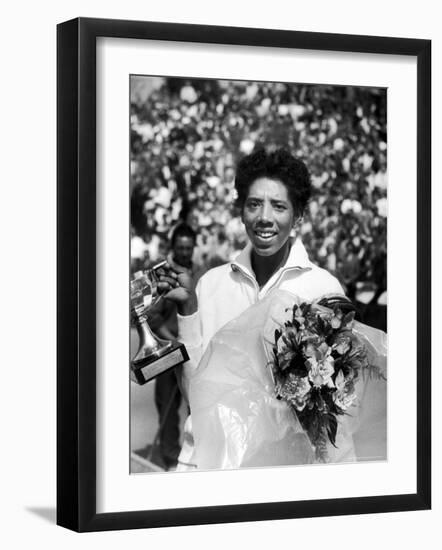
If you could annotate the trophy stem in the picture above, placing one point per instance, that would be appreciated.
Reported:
(149, 343)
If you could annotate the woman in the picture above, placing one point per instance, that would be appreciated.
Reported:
(273, 189)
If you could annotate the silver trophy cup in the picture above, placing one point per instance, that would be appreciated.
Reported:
(154, 355)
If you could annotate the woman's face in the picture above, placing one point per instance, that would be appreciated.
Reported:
(268, 215)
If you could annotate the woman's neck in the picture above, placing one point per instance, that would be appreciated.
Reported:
(265, 266)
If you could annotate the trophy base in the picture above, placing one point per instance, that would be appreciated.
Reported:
(146, 369)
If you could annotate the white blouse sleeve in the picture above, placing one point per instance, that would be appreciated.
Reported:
(190, 334)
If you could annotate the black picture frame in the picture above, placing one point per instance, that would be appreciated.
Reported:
(76, 273)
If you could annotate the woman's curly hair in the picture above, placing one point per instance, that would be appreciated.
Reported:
(279, 164)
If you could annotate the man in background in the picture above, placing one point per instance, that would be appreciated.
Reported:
(163, 321)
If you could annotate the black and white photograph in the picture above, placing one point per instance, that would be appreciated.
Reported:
(258, 274)
(224, 218)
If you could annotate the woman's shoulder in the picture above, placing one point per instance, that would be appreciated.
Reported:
(328, 283)
(216, 274)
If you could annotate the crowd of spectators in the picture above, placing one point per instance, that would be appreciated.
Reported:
(187, 136)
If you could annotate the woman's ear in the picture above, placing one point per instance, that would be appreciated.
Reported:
(296, 226)
(297, 222)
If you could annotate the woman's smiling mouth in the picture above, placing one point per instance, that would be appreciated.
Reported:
(265, 234)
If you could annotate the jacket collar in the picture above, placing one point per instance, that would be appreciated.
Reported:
(297, 258)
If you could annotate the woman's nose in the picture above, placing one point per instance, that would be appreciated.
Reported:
(266, 212)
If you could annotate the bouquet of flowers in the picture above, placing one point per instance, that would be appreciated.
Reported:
(317, 360)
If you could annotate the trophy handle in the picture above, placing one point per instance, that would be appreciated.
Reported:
(154, 279)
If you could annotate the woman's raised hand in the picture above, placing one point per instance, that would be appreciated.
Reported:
(178, 287)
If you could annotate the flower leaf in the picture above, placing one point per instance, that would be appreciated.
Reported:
(332, 428)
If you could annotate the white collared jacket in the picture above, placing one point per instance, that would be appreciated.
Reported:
(228, 290)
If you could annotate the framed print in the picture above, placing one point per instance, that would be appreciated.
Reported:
(243, 274)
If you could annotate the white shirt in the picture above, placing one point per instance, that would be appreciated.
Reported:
(137, 248)
(226, 291)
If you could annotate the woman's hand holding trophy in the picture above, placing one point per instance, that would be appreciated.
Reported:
(177, 286)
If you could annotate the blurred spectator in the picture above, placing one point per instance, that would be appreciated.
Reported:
(139, 252)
